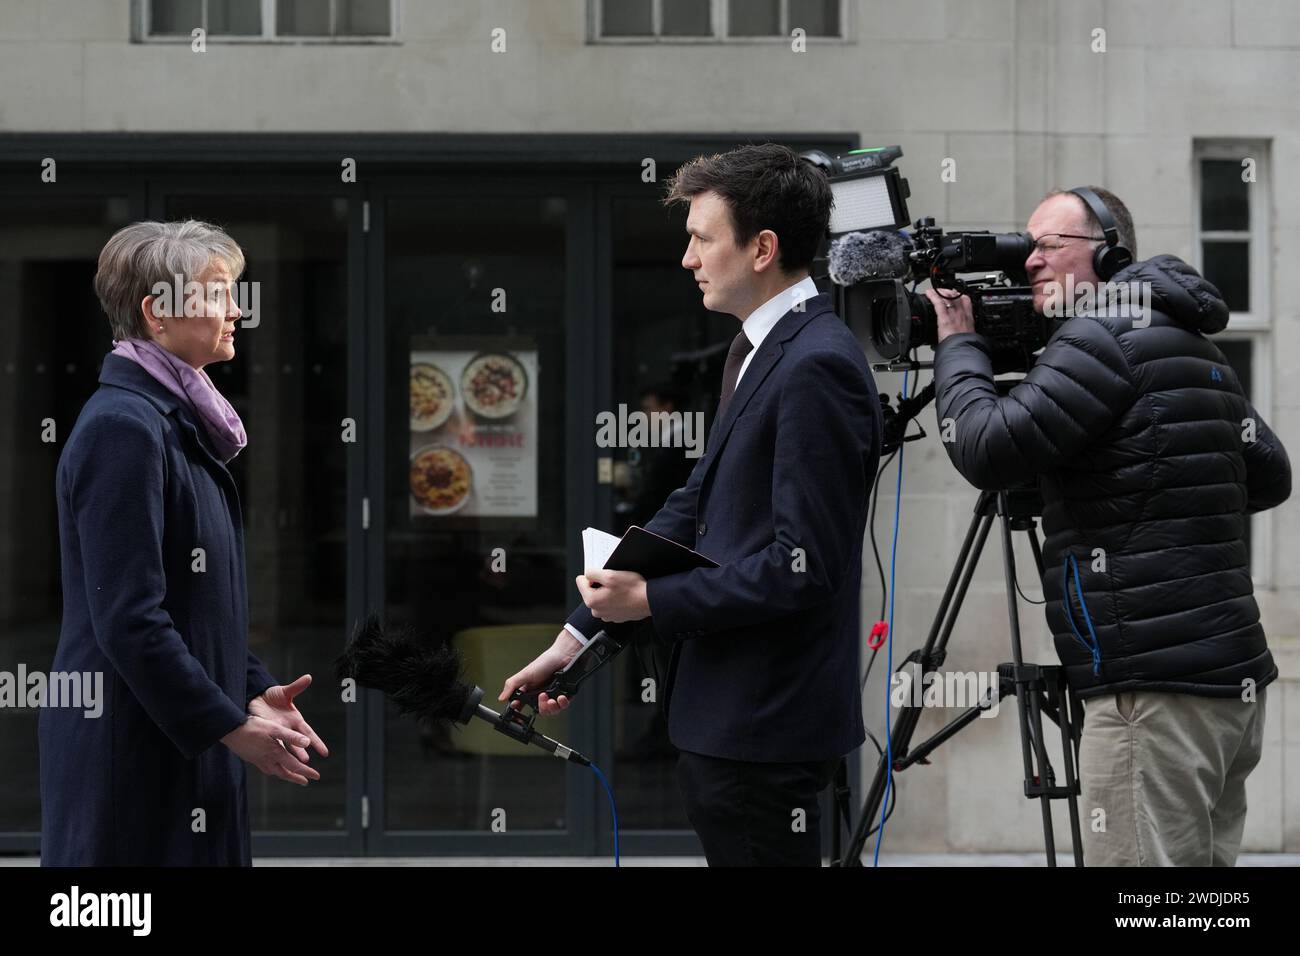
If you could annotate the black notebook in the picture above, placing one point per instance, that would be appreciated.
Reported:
(653, 556)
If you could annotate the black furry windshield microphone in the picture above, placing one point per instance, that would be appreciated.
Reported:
(878, 254)
(425, 679)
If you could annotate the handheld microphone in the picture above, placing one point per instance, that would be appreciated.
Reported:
(878, 254)
(425, 680)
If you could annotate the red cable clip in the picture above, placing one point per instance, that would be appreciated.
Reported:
(879, 631)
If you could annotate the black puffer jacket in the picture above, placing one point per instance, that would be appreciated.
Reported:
(1139, 439)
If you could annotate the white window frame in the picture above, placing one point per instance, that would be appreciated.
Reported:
(1260, 316)
(719, 10)
(1261, 376)
(140, 28)
(1256, 325)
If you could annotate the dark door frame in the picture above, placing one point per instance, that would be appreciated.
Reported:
(350, 841)
(27, 183)
(649, 842)
(580, 353)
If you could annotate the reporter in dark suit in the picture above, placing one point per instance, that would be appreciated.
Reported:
(762, 690)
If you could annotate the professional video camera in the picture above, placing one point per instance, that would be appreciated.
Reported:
(873, 261)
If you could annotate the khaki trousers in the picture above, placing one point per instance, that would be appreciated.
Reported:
(1168, 771)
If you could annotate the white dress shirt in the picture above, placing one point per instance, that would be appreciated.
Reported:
(761, 320)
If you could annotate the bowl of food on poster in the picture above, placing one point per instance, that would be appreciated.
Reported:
(441, 480)
(493, 385)
(432, 397)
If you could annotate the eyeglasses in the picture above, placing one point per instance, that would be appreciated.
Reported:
(1050, 243)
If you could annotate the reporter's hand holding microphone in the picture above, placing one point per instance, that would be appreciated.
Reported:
(539, 673)
(613, 596)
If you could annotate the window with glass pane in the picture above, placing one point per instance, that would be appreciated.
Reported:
(685, 18)
(627, 18)
(303, 18)
(49, 247)
(694, 18)
(1239, 353)
(217, 17)
(476, 536)
(175, 17)
(754, 18)
(288, 382)
(235, 17)
(1225, 230)
(363, 18)
(1227, 264)
(1225, 204)
(668, 357)
(766, 18)
(289, 18)
(818, 18)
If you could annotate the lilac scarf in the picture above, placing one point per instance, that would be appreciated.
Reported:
(193, 387)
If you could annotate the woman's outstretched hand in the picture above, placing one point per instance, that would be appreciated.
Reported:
(276, 704)
(282, 720)
(266, 745)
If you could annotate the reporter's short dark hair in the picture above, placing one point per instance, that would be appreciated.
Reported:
(766, 187)
(1118, 211)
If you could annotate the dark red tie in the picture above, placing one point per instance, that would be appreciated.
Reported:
(740, 347)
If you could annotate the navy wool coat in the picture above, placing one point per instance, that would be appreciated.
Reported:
(139, 490)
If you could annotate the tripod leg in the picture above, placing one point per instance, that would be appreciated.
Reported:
(1069, 712)
(840, 812)
(1027, 709)
(902, 735)
(936, 643)
(954, 592)
(1046, 776)
(1068, 707)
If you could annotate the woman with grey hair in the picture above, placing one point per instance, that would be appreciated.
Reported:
(154, 583)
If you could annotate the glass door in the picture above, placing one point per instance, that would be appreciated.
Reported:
(55, 338)
(290, 382)
(477, 375)
(666, 355)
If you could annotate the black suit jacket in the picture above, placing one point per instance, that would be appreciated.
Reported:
(764, 662)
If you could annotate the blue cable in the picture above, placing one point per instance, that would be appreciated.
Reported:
(613, 808)
(1095, 647)
(889, 656)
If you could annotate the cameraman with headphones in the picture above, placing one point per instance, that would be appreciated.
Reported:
(1149, 459)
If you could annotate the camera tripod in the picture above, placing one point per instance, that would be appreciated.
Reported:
(1039, 690)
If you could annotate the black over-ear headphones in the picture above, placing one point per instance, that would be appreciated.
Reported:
(1113, 256)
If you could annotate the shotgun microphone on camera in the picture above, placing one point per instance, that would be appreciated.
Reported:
(877, 254)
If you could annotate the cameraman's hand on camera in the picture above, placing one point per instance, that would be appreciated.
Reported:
(954, 312)
(539, 673)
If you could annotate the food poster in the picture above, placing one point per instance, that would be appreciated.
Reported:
(473, 432)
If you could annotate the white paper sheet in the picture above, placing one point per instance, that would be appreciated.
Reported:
(597, 546)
